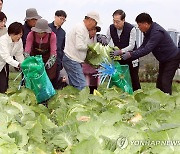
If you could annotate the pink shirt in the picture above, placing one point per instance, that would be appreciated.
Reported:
(30, 40)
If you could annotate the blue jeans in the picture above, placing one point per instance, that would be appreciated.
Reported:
(75, 73)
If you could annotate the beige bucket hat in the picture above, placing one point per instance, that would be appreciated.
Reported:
(95, 16)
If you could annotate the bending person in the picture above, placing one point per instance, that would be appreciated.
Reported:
(159, 42)
(42, 41)
(10, 45)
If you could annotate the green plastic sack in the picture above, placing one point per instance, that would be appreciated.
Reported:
(121, 78)
(36, 78)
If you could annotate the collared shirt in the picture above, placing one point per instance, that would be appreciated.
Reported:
(8, 49)
(76, 44)
(132, 39)
(30, 40)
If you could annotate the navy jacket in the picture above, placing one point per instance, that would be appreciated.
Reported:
(60, 35)
(26, 30)
(158, 41)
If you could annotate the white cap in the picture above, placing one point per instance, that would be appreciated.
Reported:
(95, 16)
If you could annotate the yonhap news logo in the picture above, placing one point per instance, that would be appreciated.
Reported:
(123, 142)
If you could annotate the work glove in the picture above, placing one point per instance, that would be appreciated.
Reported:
(102, 39)
(26, 55)
(50, 62)
(116, 53)
(126, 56)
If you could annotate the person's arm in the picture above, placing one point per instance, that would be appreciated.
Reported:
(108, 35)
(29, 44)
(81, 42)
(145, 49)
(19, 54)
(5, 54)
(53, 45)
(53, 51)
(101, 39)
(132, 41)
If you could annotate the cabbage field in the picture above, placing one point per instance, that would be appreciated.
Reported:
(76, 122)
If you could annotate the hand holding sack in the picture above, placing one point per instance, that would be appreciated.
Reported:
(126, 55)
(115, 53)
(51, 61)
(102, 39)
(36, 78)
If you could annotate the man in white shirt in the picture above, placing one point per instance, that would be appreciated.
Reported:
(123, 35)
(76, 46)
(10, 45)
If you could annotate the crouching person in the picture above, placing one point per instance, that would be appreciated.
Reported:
(10, 45)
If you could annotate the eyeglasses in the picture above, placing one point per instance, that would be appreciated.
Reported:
(62, 18)
(117, 21)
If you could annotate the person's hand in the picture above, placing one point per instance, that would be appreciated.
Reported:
(18, 68)
(48, 65)
(51, 61)
(126, 56)
(102, 39)
(116, 53)
(26, 55)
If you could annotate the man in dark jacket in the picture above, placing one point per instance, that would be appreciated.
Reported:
(123, 35)
(60, 18)
(30, 21)
(158, 41)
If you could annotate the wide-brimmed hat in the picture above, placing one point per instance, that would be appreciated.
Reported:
(41, 26)
(95, 16)
(31, 13)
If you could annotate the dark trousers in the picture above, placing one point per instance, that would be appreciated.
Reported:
(166, 74)
(56, 79)
(4, 78)
(133, 73)
(58, 82)
(92, 88)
